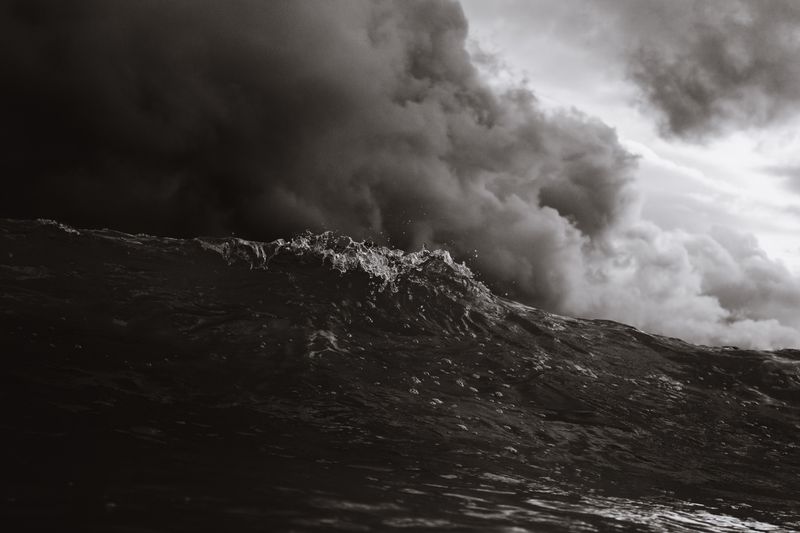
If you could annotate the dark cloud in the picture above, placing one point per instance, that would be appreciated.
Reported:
(267, 118)
(709, 66)
(271, 117)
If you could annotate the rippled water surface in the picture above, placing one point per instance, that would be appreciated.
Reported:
(321, 384)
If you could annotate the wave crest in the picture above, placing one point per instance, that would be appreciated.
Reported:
(387, 266)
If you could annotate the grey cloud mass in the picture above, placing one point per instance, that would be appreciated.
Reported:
(268, 118)
(710, 66)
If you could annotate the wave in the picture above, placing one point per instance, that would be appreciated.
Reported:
(365, 385)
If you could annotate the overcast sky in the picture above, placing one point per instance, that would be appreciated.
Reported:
(742, 171)
(633, 160)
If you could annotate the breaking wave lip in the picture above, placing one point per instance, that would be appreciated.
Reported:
(58, 225)
(425, 291)
(342, 253)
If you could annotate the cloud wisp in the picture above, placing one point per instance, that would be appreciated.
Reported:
(368, 118)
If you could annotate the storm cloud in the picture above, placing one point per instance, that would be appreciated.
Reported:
(267, 118)
(711, 66)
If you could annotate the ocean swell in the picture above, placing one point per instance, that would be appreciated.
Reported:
(325, 383)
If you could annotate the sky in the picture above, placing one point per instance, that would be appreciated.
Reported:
(744, 174)
(618, 159)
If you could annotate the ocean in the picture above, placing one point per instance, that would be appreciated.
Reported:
(323, 384)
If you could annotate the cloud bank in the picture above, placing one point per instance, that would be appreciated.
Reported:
(368, 118)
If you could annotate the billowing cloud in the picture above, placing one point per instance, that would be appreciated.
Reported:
(271, 117)
(719, 288)
(710, 66)
(267, 118)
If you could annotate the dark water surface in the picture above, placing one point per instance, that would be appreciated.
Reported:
(156, 384)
